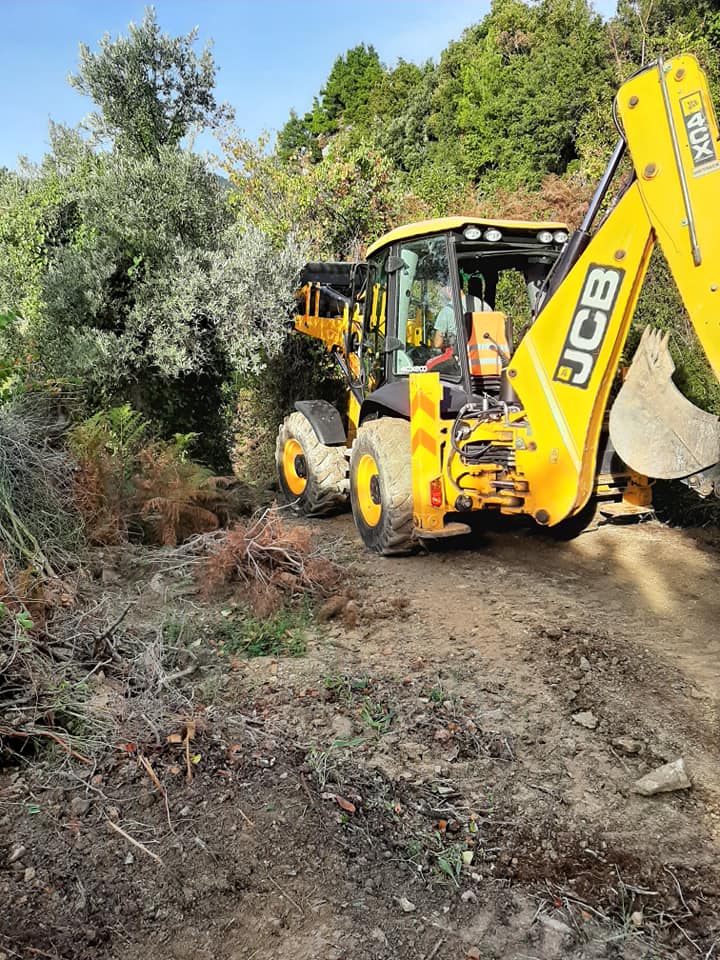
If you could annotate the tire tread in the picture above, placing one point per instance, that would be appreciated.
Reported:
(327, 489)
(388, 441)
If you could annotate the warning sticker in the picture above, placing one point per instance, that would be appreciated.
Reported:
(697, 128)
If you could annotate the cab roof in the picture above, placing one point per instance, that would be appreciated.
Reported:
(442, 224)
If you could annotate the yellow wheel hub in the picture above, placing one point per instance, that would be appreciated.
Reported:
(368, 490)
(294, 467)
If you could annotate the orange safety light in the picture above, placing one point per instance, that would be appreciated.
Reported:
(436, 495)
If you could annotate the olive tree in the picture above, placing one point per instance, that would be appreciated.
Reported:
(150, 88)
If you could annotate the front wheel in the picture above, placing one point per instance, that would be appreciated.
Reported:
(381, 486)
(571, 527)
(312, 476)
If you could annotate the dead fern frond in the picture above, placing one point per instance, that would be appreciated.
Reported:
(129, 486)
(178, 498)
(175, 521)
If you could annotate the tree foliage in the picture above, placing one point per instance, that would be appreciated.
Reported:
(346, 94)
(346, 197)
(400, 108)
(124, 270)
(531, 79)
(296, 140)
(157, 292)
(344, 102)
(150, 88)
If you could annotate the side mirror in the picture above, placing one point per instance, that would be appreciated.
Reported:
(392, 344)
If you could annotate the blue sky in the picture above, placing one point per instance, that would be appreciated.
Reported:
(273, 54)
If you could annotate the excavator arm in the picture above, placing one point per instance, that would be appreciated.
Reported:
(676, 162)
(564, 368)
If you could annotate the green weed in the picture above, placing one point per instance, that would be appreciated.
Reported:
(439, 695)
(284, 634)
(173, 630)
(376, 715)
(449, 863)
(68, 698)
(445, 861)
(346, 743)
(346, 688)
(414, 851)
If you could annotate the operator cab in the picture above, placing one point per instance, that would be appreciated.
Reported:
(453, 295)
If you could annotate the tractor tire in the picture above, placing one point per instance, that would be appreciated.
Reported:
(381, 486)
(571, 527)
(312, 476)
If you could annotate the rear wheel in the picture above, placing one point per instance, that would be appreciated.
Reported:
(381, 486)
(312, 476)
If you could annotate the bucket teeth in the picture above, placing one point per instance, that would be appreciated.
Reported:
(653, 427)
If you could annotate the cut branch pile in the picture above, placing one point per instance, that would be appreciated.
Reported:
(76, 677)
(269, 559)
(45, 666)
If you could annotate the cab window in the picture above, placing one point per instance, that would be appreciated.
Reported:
(426, 323)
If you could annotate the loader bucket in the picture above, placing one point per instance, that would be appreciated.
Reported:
(654, 428)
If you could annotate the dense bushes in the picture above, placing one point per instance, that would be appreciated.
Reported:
(128, 263)
(151, 289)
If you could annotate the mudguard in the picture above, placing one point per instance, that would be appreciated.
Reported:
(325, 421)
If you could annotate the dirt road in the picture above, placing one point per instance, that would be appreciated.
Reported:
(446, 773)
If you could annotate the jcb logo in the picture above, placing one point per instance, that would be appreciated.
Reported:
(697, 128)
(589, 325)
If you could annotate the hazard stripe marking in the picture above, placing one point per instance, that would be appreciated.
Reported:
(421, 438)
(421, 403)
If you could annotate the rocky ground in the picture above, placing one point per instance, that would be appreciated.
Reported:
(447, 771)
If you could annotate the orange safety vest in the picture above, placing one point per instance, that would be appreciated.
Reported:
(483, 355)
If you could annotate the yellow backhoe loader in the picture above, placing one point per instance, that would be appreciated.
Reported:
(454, 405)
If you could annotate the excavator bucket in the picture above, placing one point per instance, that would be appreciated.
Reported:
(653, 427)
